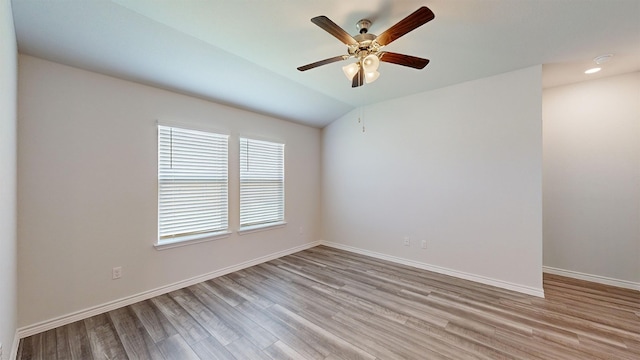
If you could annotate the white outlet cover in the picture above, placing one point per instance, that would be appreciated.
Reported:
(116, 272)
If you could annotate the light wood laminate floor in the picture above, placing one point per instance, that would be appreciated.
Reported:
(324, 303)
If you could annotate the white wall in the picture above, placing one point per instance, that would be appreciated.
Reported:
(459, 167)
(87, 189)
(8, 89)
(592, 177)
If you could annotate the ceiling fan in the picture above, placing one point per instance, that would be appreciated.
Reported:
(367, 48)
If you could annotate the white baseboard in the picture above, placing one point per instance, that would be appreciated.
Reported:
(112, 305)
(440, 270)
(13, 355)
(593, 278)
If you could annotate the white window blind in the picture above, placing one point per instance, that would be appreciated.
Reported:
(261, 182)
(192, 183)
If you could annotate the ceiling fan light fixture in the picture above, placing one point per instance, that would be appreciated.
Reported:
(371, 63)
(370, 77)
(350, 70)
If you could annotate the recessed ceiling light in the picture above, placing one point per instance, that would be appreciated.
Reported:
(602, 59)
(599, 60)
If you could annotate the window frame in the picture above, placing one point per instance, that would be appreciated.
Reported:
(222, 163)
(277, 223)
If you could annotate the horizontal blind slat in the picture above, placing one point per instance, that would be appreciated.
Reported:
(192, 182)
(261, 182)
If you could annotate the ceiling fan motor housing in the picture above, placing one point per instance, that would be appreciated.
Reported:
(366, 45)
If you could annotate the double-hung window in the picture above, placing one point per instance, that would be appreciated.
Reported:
(192, 185)
(261, 184)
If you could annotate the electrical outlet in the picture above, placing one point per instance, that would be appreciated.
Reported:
(116, 272)
(300, 230)
(423, 244)
(407, 241)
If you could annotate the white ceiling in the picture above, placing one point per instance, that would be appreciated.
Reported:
(245, 52)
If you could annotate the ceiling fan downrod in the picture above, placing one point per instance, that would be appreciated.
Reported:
(363, 26)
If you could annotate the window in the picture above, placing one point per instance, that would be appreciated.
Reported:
(261, 183)
(192, 184)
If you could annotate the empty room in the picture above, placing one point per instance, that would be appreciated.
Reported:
(285, 179)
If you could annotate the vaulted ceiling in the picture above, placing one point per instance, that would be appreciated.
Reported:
(245, 53)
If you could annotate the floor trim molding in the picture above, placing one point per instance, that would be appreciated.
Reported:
(593, 278)
(115, 304)
(14, 346)
(441, 270)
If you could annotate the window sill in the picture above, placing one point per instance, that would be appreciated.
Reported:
(262, 227)
(191, 239)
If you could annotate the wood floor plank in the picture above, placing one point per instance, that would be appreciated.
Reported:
(175, 347)
(308, 347)
(37, 347)
(245, 293)
(152, 347)
(131, 333)
(309, 272)
(230, 297)
(245, 349)
(234, 319)
(538, 347)
(187, 327)
(338, 346)
(488, 340)
(210, 348)
(104, 340)
(606, 350)
(304, 300)
(79, 345)
(45, 346)
(63, 350)
(205, 317)
(412, 342)
(281, 351)
(154, 321)
(25, 351)
(325, 303)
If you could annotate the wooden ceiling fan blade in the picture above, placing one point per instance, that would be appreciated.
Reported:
(404, 60)
(411, 22)
(358, 78)
(332, 28)
(322, 62)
